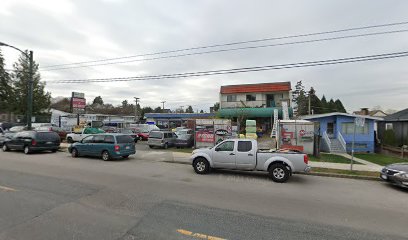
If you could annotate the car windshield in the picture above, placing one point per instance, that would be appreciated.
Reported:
(155, 134)
(124, 139)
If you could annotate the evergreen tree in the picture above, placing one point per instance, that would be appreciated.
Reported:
(324, 104)
(300, 99)
(62, 105)
(189, 109)
(158, 110)
(21, 77)
(339, 106)
(97, 100)
(315, 103)
(6, 93)
(331, 106)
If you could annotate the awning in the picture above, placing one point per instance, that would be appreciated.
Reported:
(251, 112)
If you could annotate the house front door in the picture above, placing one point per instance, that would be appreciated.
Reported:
(330, 129)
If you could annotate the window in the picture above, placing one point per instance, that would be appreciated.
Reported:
(156, 135)
(225, 147)
(388, 126)
(99, 139)
(124, 139)
(251, 97)
(348, 128)
(109, 139)
(88, 139)
(244, 146)
(231, 98)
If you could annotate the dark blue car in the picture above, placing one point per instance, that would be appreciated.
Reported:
(106, 146)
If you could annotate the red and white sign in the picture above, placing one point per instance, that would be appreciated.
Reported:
(78, 103)
(205, 137)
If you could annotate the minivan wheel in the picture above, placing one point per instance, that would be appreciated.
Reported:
(166, 146)
(201, 166)
(279, 173)
(74, 153)
(5, 147)
(105, 156)
(26, 150)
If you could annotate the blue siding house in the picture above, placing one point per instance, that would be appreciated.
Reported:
(337, 131)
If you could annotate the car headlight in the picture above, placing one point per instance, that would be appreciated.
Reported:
(403, 175)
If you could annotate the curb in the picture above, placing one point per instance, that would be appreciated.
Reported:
(320, 174)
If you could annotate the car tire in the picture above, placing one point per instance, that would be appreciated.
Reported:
(126, 156)
(26, 150)
(69, 140)
(54, 150)
(279, 173)
(150, 146)
(5, 148)
(141, 138)
(201, 166)
(74, 153)
(106, 156)
(166, 146)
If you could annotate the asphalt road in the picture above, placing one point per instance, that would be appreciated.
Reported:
(53, 196)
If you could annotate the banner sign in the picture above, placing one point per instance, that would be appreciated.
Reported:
(78, 103)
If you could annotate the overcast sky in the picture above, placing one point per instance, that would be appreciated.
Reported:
(61, 32)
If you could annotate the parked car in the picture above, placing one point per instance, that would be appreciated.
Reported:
(6, 125)
(185, 138)
(17, 128)
(396, 174)
(162, 139)
(143, 135)
(107, 146)
(130, 132)
(32, 141)
(78, 136)
(5, 135)
(243, 154)
(61, 132)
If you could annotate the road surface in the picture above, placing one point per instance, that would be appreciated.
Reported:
(54, 196)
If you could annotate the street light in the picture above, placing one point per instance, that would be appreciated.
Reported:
(30, 83)
(136, 113)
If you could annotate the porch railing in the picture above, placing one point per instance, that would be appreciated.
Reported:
(327, 140)
(341, 140)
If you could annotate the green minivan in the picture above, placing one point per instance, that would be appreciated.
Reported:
(106, 146)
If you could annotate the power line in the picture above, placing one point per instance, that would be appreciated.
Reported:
(232, 49)
(240, 70)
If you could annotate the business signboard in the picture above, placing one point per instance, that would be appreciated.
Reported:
(78, 102)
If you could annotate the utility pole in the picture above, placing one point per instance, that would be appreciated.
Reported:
(309, 105)
(136, 112)
(163, 102)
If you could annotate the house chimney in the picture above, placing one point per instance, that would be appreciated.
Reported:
(364, 111)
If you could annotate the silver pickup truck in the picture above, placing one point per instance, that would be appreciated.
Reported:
(243, 154)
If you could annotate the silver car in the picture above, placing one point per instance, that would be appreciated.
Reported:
(162, 139)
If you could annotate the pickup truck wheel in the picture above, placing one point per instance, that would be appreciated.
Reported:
(105, 156)
(5, 147)
(69, 140)
(201, 166)
(279, 173)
